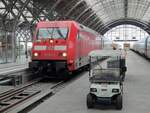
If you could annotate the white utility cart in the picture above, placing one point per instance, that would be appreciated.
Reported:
(106, 74)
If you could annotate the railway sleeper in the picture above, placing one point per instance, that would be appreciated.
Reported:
(16, 99)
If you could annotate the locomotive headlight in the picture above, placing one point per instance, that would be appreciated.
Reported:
(64, 54)
(51, 41)
(35, 54)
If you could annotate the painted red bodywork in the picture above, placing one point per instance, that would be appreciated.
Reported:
(79, 43)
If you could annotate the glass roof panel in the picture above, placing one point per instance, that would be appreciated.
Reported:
(115, 9)
(111, 9)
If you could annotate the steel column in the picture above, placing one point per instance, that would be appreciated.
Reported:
(14, 30)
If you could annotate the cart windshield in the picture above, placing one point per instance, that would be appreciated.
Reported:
(105, 75)
(105, 68)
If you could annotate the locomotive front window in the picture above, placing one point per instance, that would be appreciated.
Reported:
(52, 33)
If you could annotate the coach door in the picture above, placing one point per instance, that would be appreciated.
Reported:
(79, 50)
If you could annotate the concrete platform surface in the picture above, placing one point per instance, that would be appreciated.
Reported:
(12, 67)
(136, 97)
(7, 65)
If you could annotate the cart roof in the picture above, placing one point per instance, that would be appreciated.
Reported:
(106, 53)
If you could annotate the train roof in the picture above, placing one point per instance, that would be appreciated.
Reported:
(55, 23)
(66, 23)
(104, 53)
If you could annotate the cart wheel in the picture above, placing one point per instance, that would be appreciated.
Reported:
(119, 102)
(90, 101)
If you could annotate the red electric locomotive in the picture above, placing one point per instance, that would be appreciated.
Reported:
(62, 46)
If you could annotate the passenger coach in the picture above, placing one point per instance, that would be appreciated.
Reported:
(143, 47)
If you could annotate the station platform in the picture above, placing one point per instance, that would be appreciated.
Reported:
(136, 97)
(12, 67)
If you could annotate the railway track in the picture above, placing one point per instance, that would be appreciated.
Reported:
(15, 96)
(26, 97)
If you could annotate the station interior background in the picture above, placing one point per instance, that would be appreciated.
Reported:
(120, 35)
(122, 22)
(115, 19)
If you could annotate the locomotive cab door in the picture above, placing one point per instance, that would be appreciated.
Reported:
(79, 50)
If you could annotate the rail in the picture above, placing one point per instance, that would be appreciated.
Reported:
(13, 97)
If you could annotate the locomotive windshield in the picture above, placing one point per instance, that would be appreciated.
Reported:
(52, 33)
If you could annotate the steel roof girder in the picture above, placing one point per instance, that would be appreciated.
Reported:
(91, 23)
(90, 7)
(92, 15)
(78, 3)
(140, 24)
(69, 4)
(125, 8)
(53, 7)
(20, 2)
(20, 12)
(94, 26)
(40, 11)
(6, 5)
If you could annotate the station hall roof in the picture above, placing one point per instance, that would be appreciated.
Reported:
(100, 15)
